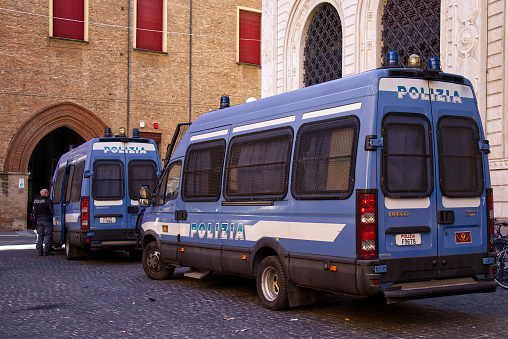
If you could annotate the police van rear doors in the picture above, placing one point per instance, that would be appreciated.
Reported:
(431, 178)
(119, 169)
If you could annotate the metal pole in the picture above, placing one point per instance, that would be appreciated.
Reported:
(128, 65)
(190, 63)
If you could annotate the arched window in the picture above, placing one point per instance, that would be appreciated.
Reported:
(411, 27)
(323, 47)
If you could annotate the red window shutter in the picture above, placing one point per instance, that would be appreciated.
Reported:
(69, 9)
(250, 37)
(149, 25)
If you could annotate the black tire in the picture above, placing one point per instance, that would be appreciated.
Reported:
(72, 251)
(502, 269)
(271, 283)
(153, 263)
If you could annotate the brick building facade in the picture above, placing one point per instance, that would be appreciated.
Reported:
(76, 87)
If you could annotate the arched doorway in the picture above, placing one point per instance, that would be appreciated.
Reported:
(45, 157)
(44, 136)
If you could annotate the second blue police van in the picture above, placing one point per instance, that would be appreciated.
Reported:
(95, 190)
(377, 183)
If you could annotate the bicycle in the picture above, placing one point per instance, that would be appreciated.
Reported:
(501, 247)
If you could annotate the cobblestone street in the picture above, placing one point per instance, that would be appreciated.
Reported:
(109, 296)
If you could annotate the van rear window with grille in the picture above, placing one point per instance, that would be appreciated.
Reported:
(258, 165)
(141, 172)
(57, 193)
(76, 181)
(460, 161)
(203, 171)
(406, 156)
(108, 180)
(324, 162)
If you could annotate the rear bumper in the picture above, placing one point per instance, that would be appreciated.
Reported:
(436, 288)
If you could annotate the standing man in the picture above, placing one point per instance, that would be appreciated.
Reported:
(43, 218)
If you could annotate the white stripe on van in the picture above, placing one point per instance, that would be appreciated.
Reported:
(293, 230)
(271, 229)
(333, 110)
(461, 202)
(209, 135)
(123, 147)
(262, 124)
(107, 202)
(173, 228)
(393, 204)
(393, 84)
(71, 217)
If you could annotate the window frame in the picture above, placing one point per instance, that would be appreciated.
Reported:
(185, 172)
(340, 194)
(164, 34)
(94, 179)
(85, 22)
(238, 37)
(68, 184)
(263, 135)
(429, 156)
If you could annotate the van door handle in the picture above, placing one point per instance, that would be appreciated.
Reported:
(180, 215)
(446, 217)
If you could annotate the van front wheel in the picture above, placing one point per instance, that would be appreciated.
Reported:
(153, 263)
(271, 283)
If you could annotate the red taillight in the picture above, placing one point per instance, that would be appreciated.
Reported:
(366, 225)
(84, 214)
(490, 218)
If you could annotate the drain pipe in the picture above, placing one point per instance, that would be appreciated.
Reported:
(128, 65)
(190, 63)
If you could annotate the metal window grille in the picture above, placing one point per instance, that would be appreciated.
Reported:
(460, 160)
(323, 47)
(411, 27)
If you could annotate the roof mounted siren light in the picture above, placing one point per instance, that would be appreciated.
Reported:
(224, 101)
(414, 61)
(107, 132)
(71, 147)
(434, 67)
(135, 133)
(121, 132)
(434, 64)
(392, 59)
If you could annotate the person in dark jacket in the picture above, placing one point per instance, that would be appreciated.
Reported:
(43, 218)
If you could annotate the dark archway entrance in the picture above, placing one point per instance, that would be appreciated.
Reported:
(44, 159)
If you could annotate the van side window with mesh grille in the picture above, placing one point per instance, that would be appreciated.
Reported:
(203, 171)
(57, 193)
(258, 165)
(406, 156)
(324, 161)
(460, 160)
(108, 180)
(76, 181)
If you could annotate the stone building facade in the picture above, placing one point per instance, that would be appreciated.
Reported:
(78, 87)
(472, 44)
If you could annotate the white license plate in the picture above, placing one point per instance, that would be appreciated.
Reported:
(107, 220)
(408, 239)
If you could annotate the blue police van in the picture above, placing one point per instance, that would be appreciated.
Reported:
(95, 190)
(377, 183)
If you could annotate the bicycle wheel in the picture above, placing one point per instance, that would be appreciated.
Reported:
(502, 268)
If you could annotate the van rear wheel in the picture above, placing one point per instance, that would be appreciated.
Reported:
(271, 283)
(153, 263)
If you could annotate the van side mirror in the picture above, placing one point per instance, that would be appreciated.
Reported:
(88, 174)
(144, 196)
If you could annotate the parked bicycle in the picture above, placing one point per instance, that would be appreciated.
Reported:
(501, 247)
